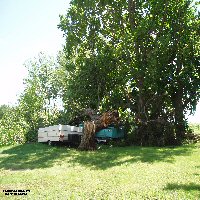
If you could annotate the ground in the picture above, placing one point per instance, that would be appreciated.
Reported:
(109, 173)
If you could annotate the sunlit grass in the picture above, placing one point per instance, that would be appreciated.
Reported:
(109, 173)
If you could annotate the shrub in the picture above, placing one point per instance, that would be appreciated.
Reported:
(153, 133)
(13, 128)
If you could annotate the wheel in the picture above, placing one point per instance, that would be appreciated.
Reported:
(49, 143)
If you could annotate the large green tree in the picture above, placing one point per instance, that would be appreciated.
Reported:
(140, 55)
(38, 102)
(94, 72)
(177, 52)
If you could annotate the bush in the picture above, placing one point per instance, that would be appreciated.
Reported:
(13, 128)
(191, 137)
(12, 135)
(152, 133)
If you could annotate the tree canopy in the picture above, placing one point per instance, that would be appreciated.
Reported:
(38, 104)
(136, 55)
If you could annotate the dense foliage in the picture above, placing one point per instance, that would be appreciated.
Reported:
(136, 56)
(37, 106)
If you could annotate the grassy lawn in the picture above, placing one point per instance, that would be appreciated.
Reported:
(109, 173)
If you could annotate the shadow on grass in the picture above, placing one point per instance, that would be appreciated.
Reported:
(32, 156)
(110, 157)
(190, 187)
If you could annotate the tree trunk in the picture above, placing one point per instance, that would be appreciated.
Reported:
(179, 117)
(97, 123)
(88, 139)
(178, 103)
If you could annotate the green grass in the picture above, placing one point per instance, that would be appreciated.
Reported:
(109, 173)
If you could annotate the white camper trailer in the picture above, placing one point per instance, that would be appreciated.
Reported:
(62, 133)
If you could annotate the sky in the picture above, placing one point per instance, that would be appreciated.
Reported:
(28, 27)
